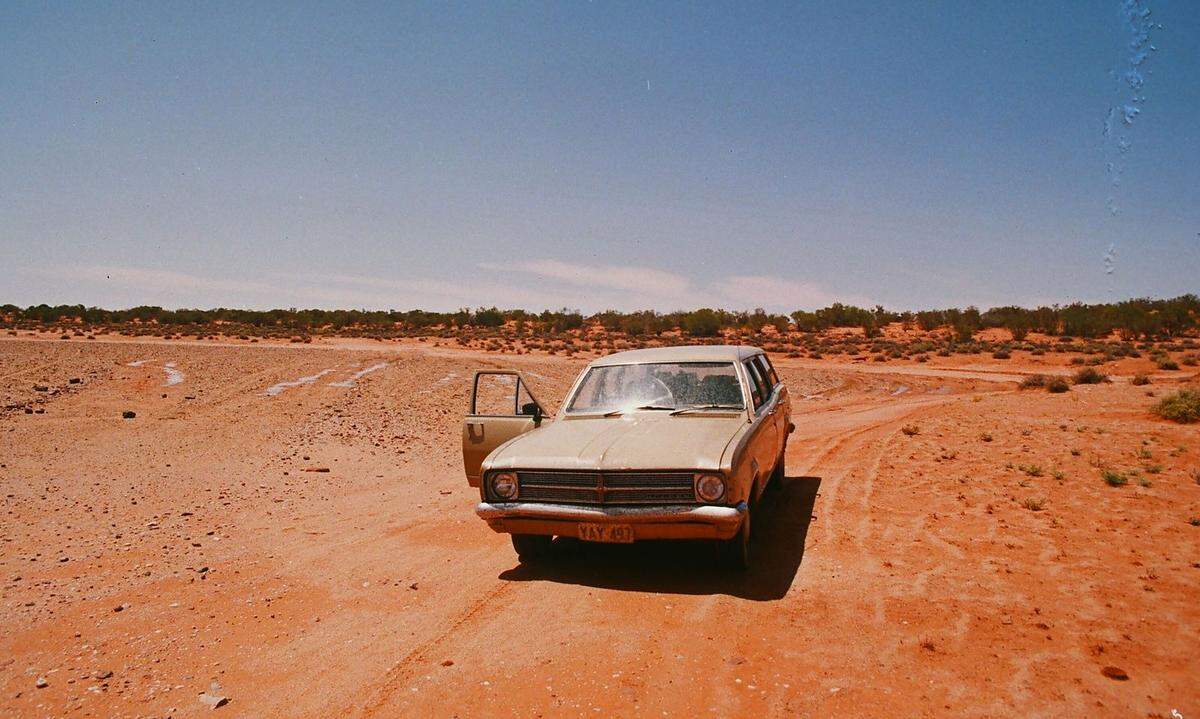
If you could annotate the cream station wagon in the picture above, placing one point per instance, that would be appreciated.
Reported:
(666, 443)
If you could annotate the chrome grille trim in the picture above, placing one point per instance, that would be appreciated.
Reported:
(605, 488)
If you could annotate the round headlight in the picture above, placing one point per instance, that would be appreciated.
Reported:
(504, 485)
(710, 487)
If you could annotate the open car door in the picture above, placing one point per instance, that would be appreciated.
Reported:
(502, 407)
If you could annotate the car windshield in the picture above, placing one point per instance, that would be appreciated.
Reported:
(658, 385)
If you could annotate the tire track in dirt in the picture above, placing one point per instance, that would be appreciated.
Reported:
(390, 685)
(848, 463)
(842, 452)
(26, 370)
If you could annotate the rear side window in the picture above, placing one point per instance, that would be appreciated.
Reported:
(757, 384)
(768, 370)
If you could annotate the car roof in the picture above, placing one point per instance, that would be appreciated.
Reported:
(688, 353)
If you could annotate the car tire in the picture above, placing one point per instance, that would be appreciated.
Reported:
(531, 547)
(734, 553)
(775, 482)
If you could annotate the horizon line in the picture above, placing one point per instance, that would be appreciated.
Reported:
(575, 310)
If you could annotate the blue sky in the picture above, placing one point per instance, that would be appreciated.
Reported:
(591, 155)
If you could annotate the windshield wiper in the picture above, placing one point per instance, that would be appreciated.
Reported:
(695, 407)
(615, 412)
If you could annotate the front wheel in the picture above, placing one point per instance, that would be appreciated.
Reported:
(734, 553)
(531, 547)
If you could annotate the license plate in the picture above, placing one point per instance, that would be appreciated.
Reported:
(620, 533)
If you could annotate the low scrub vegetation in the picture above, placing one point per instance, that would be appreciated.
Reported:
(1182, 406)
(1113, 478)
(1034, 504)
(1132, 319)
(1166, 363)
(1057, 385)
(1089, 375)
(1087, 335)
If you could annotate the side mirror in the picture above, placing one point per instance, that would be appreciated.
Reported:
(532, 409)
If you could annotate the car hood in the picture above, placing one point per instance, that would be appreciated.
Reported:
(645, 440)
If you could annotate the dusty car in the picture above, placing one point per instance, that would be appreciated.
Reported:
(666, 443)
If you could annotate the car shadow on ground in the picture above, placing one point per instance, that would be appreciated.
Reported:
(780, 527)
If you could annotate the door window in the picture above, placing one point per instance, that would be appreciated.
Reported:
(757, 384)
(496, 395)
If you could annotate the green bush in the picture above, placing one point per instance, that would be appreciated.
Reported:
(1183, 406)
(1088, 375)
(1114, 478)
(702, 323)
(1057, 385)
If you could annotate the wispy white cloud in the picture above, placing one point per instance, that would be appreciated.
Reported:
(110, 285)
(534, 284)
(629, 287)
(774, 292)
(626, 278)
(428, 292)
(153, 280)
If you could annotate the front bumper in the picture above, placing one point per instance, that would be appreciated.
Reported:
(658, 522)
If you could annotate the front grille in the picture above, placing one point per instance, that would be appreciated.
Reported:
(603, 488)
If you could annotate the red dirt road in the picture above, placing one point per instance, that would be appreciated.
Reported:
(897, 574)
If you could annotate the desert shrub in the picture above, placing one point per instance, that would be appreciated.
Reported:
(1183, 406)
(1002, 354)
(1088, 375)
(1166, 363)
(1057, 385)
(1139, 380)
(1034, 381)
(910, 430)
(1113, 478)
(702, 323)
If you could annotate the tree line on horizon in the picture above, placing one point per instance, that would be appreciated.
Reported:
(1144, 318)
